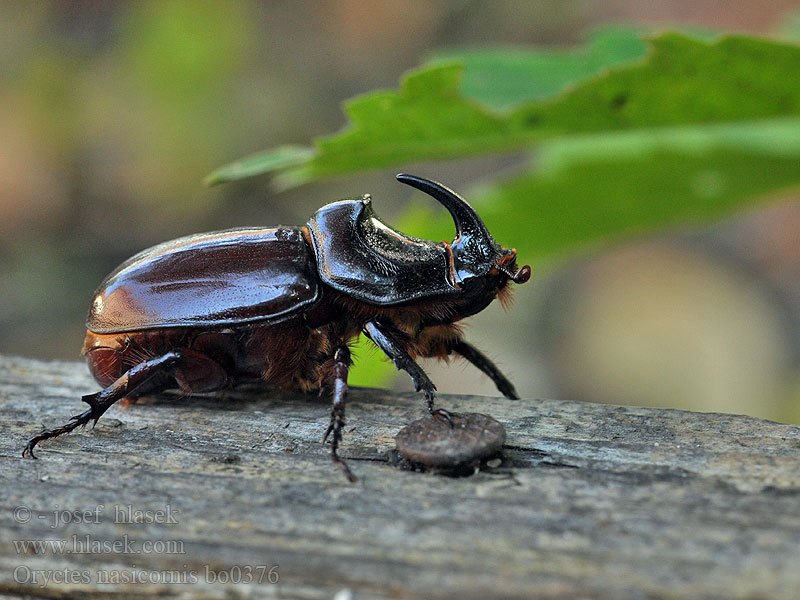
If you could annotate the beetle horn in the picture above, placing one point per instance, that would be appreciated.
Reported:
(467, 221)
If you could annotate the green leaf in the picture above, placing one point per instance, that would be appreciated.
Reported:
(427, 118)
(255, 164)
(684, 81)
(594, 201)
(681, 81)
(503, 78)
(588, 189)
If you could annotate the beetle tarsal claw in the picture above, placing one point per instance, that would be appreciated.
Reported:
(27, 452)
(444, 415)
(440, 413)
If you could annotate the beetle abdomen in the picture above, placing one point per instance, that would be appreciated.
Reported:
(286, 355)
(208, 280)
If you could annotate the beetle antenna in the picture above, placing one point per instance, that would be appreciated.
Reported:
(520, 276)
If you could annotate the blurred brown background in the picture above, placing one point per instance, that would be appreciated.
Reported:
(112, 113)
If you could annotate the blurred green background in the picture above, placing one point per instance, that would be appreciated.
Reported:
(113, 113)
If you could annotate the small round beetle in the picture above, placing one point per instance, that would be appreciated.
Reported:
(209, 311)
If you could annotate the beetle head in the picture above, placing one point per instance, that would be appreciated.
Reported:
(481, 266)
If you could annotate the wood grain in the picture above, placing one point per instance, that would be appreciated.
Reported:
(590, 501)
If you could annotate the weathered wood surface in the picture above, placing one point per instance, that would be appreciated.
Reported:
(590, 501)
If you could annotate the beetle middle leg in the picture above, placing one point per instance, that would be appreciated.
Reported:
(341, 367)
(402, 360)
(135, 378)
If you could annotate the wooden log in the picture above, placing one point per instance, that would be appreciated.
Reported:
(590, 501)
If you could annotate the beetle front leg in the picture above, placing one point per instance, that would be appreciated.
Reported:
(341, 367)
(402, 360)
(477, 358)
(101, 401)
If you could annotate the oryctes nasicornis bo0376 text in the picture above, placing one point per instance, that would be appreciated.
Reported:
(209, 311)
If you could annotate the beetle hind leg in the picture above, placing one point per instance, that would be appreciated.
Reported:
(101, 401)
(341, 367)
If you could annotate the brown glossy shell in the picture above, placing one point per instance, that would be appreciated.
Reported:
(211, 279)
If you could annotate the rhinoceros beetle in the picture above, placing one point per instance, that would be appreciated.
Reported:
(209, 311)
